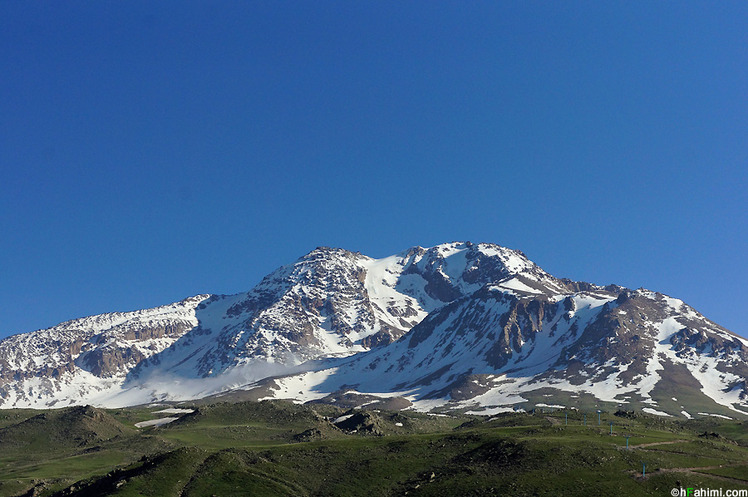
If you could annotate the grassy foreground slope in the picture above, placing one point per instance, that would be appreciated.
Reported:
(278, 448)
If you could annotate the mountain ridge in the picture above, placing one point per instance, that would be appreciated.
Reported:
(455, 326)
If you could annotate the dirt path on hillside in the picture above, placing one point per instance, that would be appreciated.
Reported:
(651, 444)
(696, 472)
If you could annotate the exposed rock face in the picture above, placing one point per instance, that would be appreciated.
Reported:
(459, 324)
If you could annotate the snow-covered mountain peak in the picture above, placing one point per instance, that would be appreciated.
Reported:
(460, 268)
(458, 324)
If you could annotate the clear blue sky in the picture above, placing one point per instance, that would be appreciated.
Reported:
(154, 150)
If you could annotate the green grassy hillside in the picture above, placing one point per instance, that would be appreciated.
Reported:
(277, 448)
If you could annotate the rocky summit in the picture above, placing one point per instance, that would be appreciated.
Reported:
(457, 327)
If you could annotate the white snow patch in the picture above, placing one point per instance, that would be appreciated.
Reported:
(300, 388)
(174, 410)
(499, 396)
(427, 404)
(649, 410)
(342, 418)
(674, 304)
(517, 285)
(155, 422)
(490, 411)
(715, 415)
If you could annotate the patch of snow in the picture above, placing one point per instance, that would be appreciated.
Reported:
(498, 396)
(174, 410)
(450, 249)
(649, 410)
(426, 405)
(490, 411)
(155, 422)
(517, 285)
(342, 418)
(675, 305)
(715, 415)
(514, 262)
(381, 283)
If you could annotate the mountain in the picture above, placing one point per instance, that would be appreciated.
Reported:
(456, 326)
(596, 347)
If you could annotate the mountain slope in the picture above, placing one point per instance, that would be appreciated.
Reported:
(65, 364)
(459, 325)
(500, 347)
